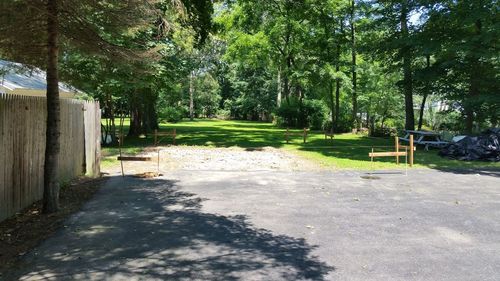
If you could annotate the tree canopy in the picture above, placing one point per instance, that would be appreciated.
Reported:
(335, 65)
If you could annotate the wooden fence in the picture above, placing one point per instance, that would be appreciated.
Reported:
(22, 147)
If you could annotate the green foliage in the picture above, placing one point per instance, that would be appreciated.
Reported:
(384, 132)
(315, 112)
(283, 57)
(207, 96)
(302, 113)
(223, 114)
(346, 151)
(171, 114)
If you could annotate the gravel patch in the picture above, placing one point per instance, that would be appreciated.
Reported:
(217, 159)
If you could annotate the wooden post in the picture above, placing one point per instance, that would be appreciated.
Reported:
(158, 164)
(286, 135)
(411, 150)
(156, 137)
(120, 151)
(174, 136)
(396, 139)
(305, 135)
(406, 160)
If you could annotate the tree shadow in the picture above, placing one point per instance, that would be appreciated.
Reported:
(482, 172)
(151, 229)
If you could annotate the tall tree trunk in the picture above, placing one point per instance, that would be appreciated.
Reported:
(367, 118)
(150, 117)
(191, 96)
(470, 101)
(110, 106)
(469, 107)
(302, 122)
(407, 70)
(332, 104)
(286, 80)
(474, 80)
(136, 111)
(52, 147)
(331, 93)
(278, 98)
(338, 84)
(355, 122)
(426, 94)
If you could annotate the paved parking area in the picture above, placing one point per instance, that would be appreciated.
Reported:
(277, 225)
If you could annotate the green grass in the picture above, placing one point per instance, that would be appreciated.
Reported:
(346, 151)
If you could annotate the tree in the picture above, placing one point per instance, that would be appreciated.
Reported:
(32, 30)
(352, 21)
(465, 35)
(395, 34)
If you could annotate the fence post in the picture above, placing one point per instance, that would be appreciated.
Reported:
(396, 139)
(411, 150)
(174, 136)
(286, 135)
(156, 138)
(305, 135)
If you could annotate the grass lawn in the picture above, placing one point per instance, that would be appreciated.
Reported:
(346, 151)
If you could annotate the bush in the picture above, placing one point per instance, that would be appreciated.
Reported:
(223, 114)
(287, 114)
(316, 113)
(308, 113)
(171, 114)
(327, 125)
(384, 132)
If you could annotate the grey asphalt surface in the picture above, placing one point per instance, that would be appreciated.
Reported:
(265, 225)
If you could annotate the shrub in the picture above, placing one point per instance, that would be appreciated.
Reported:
(316, 113)
(171, 114)
(308, 113)
(287, 115)
(223, 114)
(384, 132)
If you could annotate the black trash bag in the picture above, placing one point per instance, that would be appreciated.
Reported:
(485, 147)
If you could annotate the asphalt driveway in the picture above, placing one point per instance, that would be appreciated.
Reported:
(275, 225)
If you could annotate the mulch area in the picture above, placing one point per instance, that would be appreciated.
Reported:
(26, 230)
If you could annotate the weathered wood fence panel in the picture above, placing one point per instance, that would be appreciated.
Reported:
(22, 147)
(92, 117)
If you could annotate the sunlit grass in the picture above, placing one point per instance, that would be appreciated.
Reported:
(346, 151)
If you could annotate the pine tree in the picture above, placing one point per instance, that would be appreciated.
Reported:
(35, 32)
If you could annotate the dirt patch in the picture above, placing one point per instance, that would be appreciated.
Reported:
(27, 229)
(219, 159)
(147, 175)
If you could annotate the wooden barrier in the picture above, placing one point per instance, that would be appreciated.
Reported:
(409, 150)
(22, 147)
(384, 154)
(158, 136)
(139, 159)
(134, 158)
(303, 134)
(122, 158)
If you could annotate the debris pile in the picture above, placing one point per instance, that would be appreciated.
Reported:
(485, 147)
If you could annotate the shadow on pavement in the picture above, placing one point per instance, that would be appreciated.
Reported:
(150, 229)
(481, 172)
